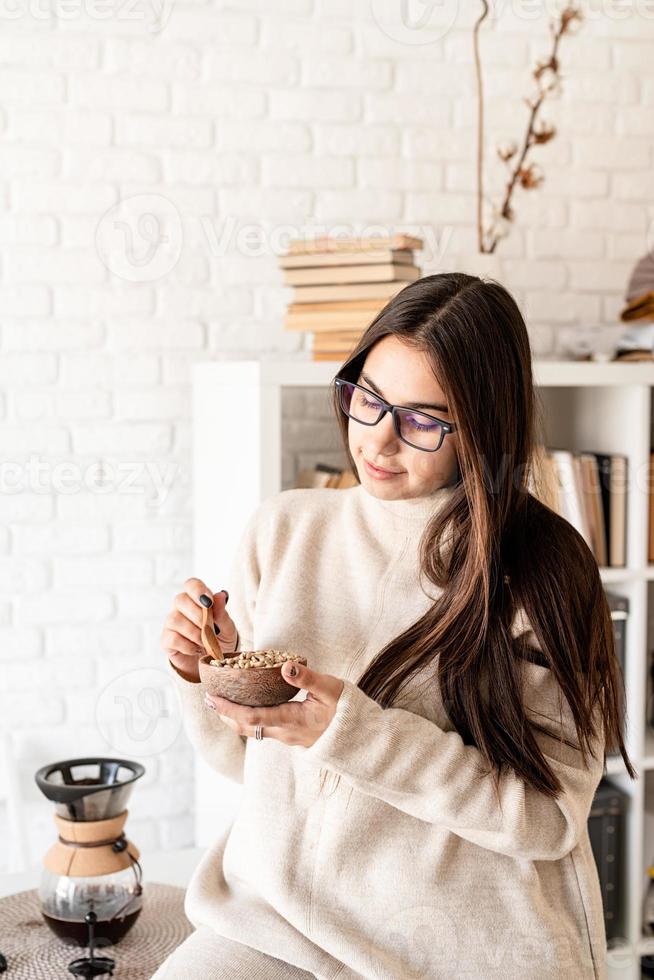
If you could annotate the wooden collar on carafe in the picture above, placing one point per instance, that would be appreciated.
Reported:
(86, 847)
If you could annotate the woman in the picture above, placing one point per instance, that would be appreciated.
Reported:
(423, 811)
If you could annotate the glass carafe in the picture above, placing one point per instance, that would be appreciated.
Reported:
(93, 867)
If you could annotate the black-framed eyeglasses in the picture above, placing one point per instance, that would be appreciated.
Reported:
(417, 429)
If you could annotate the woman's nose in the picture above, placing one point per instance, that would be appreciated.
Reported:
(381, 435)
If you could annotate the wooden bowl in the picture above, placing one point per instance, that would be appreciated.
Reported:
(257, 687)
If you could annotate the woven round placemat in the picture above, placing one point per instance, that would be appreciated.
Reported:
(33, 952)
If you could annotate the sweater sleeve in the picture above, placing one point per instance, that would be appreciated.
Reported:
(218, 744)
(414, 765)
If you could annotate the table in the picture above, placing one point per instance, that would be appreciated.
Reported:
(33, 952)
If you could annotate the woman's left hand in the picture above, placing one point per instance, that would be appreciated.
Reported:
(295, 722)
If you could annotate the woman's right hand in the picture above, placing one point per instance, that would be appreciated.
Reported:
(180, 637)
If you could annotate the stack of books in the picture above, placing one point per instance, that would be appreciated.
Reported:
(590, 490)
(341, 284)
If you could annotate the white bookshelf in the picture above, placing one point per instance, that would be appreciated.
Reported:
(605, 407)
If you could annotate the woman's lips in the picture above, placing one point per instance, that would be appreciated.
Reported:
(378, 473)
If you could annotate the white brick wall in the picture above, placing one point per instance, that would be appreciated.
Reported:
(270, 114)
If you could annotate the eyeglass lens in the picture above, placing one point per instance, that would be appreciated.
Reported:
(415, 428)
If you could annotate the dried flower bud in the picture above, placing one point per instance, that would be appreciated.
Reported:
(571, 20)
(543, 133)
(530, 177)
(507, 150)
(545, 68)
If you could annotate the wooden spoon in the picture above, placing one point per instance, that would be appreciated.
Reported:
(209, 639)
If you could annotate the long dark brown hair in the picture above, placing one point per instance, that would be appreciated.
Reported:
(476, 341)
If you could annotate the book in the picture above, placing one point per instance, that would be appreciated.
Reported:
(323, 475)
(339, 257)
(593, 498)
(337, 306)
(339, 353)
(335, 335)
(332, 275)
(650, 489)
(618, 540)
(330, 355)
(359, 290)
(336, 341)
(570, 492)
(613, 475)
(313, 478)
(344, 304)
(328, 243)
(619, 607)
(329, 322)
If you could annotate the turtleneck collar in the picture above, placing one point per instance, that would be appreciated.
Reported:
(409, 509)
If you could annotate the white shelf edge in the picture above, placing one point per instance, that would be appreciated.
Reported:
(608, 574)
(550, 374)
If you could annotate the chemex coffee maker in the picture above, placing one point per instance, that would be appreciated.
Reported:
(90, 892)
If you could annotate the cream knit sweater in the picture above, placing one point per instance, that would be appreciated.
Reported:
(411, 868)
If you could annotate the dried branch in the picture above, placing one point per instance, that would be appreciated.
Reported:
(547, 77)
(480, 128)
